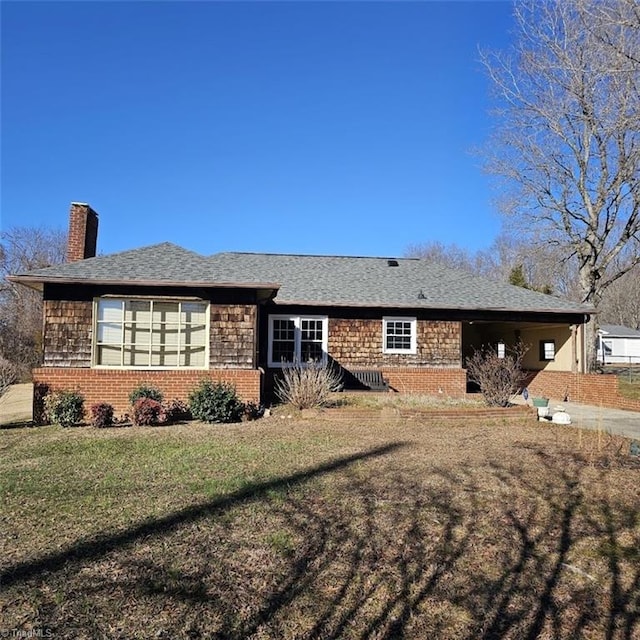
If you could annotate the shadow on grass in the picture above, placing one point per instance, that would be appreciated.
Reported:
(18, 424)
(376, 550)
(91, 549)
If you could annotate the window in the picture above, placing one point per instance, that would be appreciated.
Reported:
(547, 350)
(399, 335)
(140, 333)
(297, 339)
(501, 350)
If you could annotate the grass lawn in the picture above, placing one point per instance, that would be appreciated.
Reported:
(629, 384)
(291, 528)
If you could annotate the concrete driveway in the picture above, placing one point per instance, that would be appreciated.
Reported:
(16, 405)
(617, 421)
(624, 423)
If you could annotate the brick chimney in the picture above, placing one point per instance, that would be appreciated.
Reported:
(83, 232)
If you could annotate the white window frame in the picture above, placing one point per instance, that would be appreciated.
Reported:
(413, 348)
(297, 323)
(123, 300)
(547, 350)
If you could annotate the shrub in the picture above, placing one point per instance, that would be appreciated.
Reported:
(64, 408)
(147, 412)
(145, 391)
(215, 402)
(102, 415)
(498, 378)
(309, 386)
(253, 411)
(175, 411)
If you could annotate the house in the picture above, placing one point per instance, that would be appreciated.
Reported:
(166, 316)
(618, 345)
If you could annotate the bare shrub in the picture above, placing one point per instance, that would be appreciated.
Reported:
(308, 386)
(498, 377)
(8, 375)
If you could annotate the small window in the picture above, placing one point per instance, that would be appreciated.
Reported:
(547, 350)
(501, 350)
(297, 340)
(399, 335)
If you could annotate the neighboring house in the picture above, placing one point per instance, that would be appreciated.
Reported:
(618, 345)
(167, 316)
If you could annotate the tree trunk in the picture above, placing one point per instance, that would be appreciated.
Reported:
(591, 295)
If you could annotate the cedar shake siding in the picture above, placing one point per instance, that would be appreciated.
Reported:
(232, 337)
(68, 330)
(358, 344)
(67, 333)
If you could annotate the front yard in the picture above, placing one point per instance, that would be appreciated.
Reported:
(292, 528)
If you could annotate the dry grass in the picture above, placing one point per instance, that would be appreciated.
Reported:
(629, 384)
(313, 529)
(370, 400)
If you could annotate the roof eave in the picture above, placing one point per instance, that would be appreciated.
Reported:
(394, 305)
(31, 281)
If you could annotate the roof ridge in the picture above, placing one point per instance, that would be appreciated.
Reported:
(308, 255)
(154, 246)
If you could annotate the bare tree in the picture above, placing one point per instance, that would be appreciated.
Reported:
(24, 249)
(539, 263)
(621, 301)
(568, 139)
(453, 256)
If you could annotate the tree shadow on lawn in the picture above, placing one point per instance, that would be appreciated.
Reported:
(101, 545)
(372, 551)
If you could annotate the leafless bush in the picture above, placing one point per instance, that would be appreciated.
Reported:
(8, 375)
(307, 386)
(498, 377)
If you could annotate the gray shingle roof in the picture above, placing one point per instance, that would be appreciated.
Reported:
(361, 281)
(312, 280)
(618, 331)
(164, 263)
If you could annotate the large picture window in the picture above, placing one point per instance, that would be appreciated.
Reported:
(297, 340)
(139, 333)
(399, 335)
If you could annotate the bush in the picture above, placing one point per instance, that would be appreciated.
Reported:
(253, 411)
(498, 378)
(145, 391)
(175, 411)
(306, 387)
(102, 415)
(215, 402)
(147, 412)
(64, 408)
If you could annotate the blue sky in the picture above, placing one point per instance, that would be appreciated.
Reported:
(294, 127)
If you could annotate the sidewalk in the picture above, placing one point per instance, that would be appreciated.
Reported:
(16, 405)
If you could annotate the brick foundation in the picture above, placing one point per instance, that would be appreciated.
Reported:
(587, 388)
(433, 381)
(114, 386)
